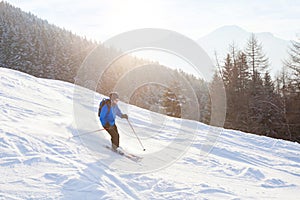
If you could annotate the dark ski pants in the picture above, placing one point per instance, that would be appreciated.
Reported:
(113, 132)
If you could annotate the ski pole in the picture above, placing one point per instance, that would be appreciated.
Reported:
(136, 135)
(87, 133)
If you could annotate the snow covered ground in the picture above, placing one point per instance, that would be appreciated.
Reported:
(42, 156)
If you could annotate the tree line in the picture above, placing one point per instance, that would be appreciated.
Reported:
(255, 102)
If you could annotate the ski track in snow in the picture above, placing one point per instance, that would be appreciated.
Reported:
(41, 157)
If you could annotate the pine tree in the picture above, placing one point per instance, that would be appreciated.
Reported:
(268, 84)
(257, 60)
(227, 71)
(274, 118)
(292, 91)
(217, 105)
(243, 71)
(293, 63)
(236, 78)
(256, 108)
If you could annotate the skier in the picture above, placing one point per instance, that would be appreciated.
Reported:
(108, 110)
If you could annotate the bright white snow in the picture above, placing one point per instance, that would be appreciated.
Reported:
(41, 156)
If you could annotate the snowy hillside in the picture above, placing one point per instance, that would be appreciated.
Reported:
(41, 156)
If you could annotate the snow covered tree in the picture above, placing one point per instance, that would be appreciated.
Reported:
(149, 97)
(36, 47)
(173, 99)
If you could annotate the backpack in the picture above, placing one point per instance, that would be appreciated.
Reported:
(102, 103)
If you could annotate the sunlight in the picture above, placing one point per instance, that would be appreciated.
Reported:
(134, 13)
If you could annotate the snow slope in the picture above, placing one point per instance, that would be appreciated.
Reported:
(42, 156)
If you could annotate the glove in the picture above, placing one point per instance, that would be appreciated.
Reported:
(124, 116)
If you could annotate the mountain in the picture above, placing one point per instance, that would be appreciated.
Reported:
(47, 151)
(220, 39)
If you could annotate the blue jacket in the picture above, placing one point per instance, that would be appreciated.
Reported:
(109, 117)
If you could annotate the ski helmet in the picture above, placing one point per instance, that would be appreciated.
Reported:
(114, 96)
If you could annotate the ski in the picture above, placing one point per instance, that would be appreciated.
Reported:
(126, 154)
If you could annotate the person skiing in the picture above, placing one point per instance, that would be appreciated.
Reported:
(108, 110)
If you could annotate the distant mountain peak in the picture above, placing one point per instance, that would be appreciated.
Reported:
(231, 27)
(226, 34)
(266, 34)
(220, 39)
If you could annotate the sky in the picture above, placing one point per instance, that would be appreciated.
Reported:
(103, 19)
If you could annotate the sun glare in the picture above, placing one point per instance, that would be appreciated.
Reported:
(134, 13)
